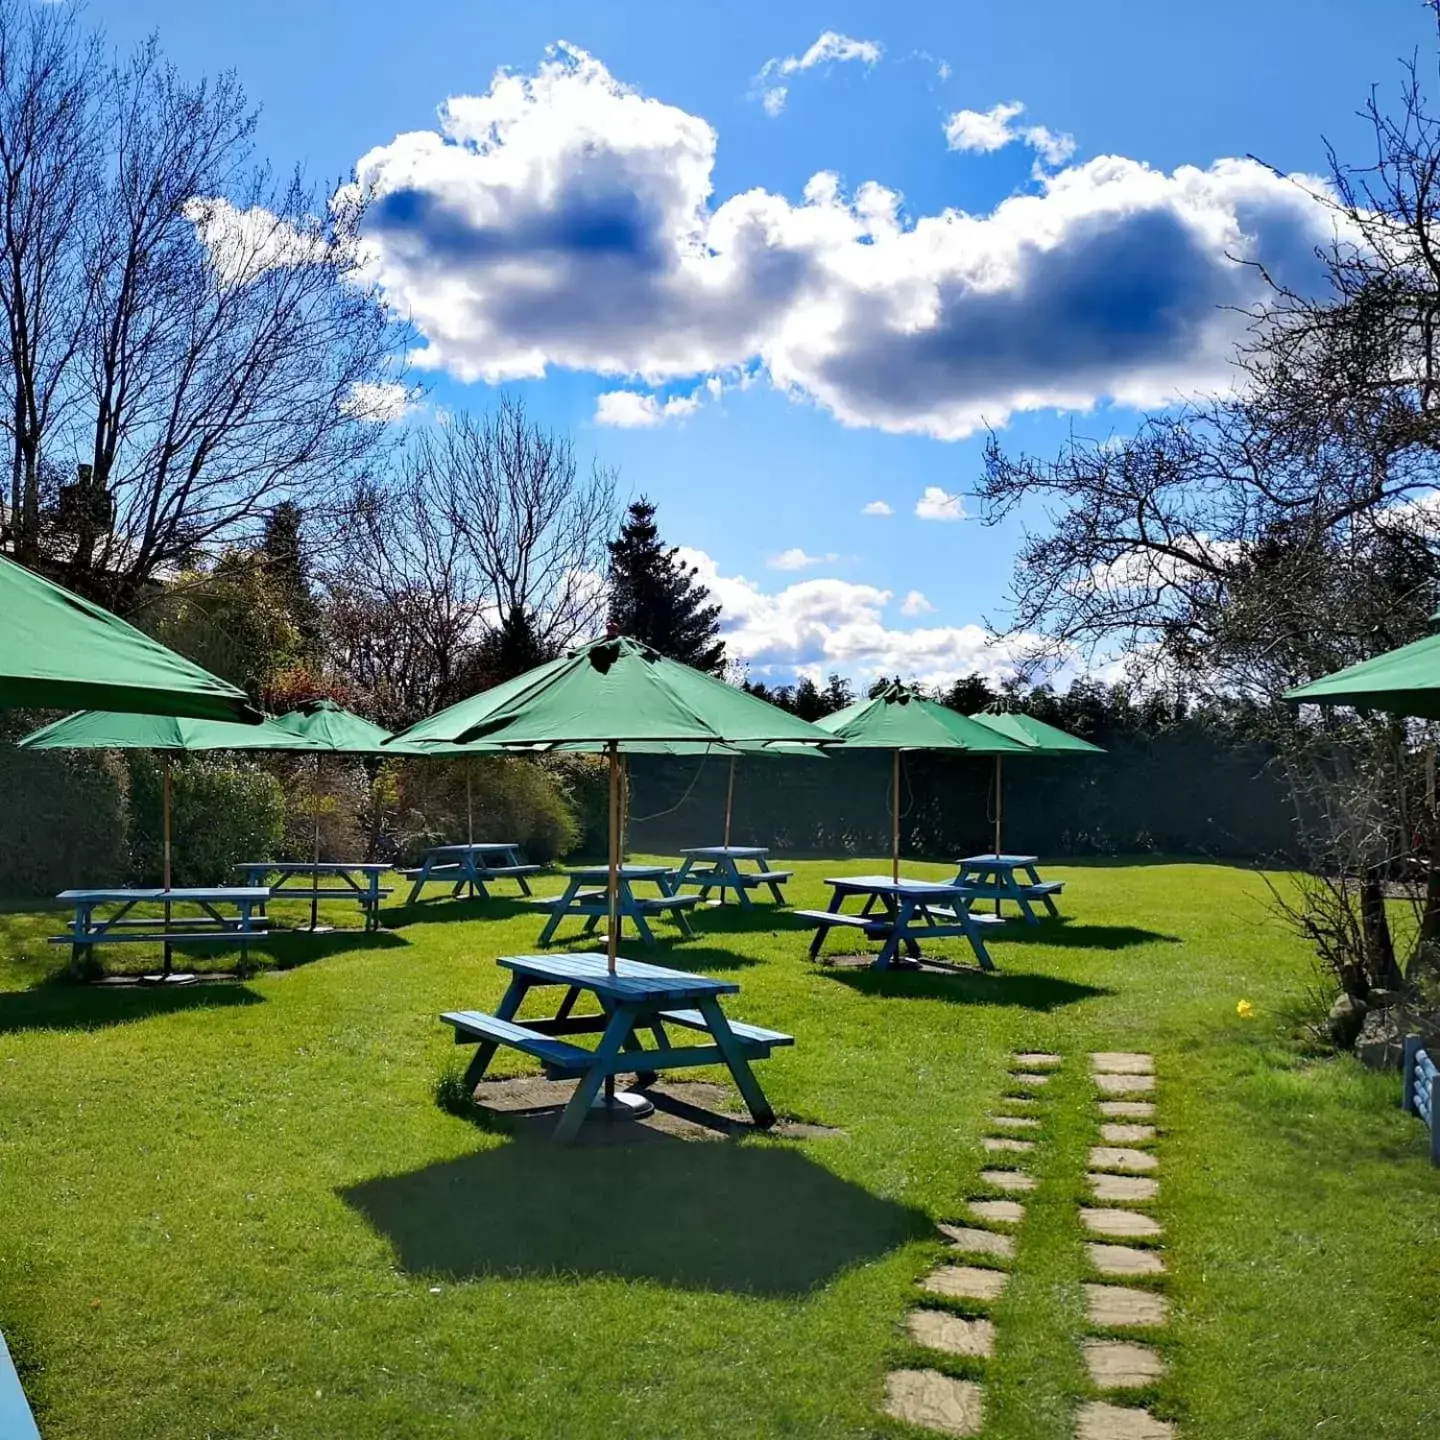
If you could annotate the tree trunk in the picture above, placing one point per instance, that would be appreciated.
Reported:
(1379, 945)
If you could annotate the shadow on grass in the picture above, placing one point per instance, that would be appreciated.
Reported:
(442, 910)
(696, 1215)
(64, 1005)
(967, 987)
(1064, 934)
(290, 951)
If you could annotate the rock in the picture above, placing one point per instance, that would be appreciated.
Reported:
(940, 1330)
(998, 1212)
(1122, 1062)
(1380, 1044)
(1116, 1364)
(934, 1401)
(1117, 1306)
(1099, 1421)
(1346, 1016)
(980, 1242)
(1012, 1180)
(1124, 1260)
(1122, 1223)
(1379, 999)
(965, 1282)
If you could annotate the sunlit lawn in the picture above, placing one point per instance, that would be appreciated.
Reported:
(235, 1210)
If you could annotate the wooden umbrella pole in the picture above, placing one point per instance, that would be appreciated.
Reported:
(999, 811)
(315, 878)
(895, 823)
(165, 858)
(612, 931)
(729, 805)
(470, 818)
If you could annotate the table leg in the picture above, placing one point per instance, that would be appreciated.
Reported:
(1047, 900)
(1020, 898)
(558, 913)
(742, 894)
(739, 1066)
(977, 940)
(506, 1010)
(617, 1031)
(898, 917)
(420, 880)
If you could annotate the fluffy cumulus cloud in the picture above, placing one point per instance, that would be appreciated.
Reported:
(829, 49)
(379, 401)
(937, 504)
(635, 410)
(564, 219)
(993, 129)
(798, 559)
(915, 603)
(821, 625)
(878, 507)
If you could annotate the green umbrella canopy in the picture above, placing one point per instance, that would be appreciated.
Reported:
(612, 692)
(328, 726)
(118, 730)
(1404, 681)
(1035, 735)
(58, 651)
(901, 719)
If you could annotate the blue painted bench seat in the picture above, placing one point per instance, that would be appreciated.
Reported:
(870, 924)
(160, 937)
(475, 1025)
(596, 902)
(750, 1034)
(943, 912)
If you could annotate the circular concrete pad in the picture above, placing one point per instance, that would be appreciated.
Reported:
(940, 1330)
(934, 1401)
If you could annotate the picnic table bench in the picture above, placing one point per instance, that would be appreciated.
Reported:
(586, 894)
(17, 1422)
(210, 927)
(472, 865)
(718, 867)
(637, 998)
(359, 882)
(902, 913)
(994, 877)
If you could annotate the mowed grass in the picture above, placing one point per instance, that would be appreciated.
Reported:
(236, 1211)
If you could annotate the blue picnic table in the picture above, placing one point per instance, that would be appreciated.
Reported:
(720, 867)
(586, 895)
(301, 880)
(636, 998)
(472, 865)
(994, 877)
(212, 926)
(16, 1420)
(902, 913)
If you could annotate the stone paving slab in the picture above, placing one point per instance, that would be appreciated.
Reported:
(1124, 1260)
(1122, 1062)
(940, 1330)
(1127, 1109)
(935, 1401)
(1126, 1134)
(965, 1282)
(1124, 1084)
(1013, 1180)
(1008, 1143)
(980, 1242)
(1126, 1189)
(1016, 1122)
(1122, 1364)
(1125, 1224)
(1036, 1059)
(1029, 1077)
(1099, 1421)
(1118, 1305)
(1118, 1157)
(997, 1212)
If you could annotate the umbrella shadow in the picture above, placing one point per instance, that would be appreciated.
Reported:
(754, 1218)
(442, 910)
(1065, 934)
(64, 1005)
(1023, 990)
(291, 950)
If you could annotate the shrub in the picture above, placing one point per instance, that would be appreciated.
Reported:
(224, 810)
(62, 819)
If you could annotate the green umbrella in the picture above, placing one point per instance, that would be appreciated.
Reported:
(169, 734)
(1038, 738)
(1404, 682)
(900, 719)
(59, 651)
(620, 696)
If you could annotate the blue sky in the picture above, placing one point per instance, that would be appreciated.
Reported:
(644, 224)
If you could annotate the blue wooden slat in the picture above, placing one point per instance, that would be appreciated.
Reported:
(16, 1421)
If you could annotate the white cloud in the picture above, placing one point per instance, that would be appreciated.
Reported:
(634, 410)
(797, 559)
(988, 130)
(938, 504)
(562, 219)
(823, 625)
(878, 507)
(916, 604)
(380, 401)
(830, 49)
(245, 244)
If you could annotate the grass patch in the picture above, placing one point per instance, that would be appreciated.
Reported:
(246, 1209)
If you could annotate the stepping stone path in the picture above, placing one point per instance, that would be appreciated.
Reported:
(928, 1398)
(1123, 1364)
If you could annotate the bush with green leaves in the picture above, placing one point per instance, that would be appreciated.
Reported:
(223, 810)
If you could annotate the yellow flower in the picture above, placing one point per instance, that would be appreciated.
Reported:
(1245, 1010)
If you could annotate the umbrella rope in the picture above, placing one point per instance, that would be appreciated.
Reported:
(689, 790)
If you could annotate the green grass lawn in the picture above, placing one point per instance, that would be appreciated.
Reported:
(236, 1211)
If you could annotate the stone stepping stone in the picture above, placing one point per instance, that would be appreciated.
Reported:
(1122, 1062)
(1016, 1122)
(1125, 1189)
(934, 1401)
(1119, 1306)
(1126, 1134)
(1026, 1077)
(1007, 1143)
(997, 1212)
(980, 1242)
(940, 1330)
(1124, 1224)
(1118, 1157)
(1127, 1109)
(1124, 1084)
(1124, 1260)
(1036, 1059)
(1013, 1180)
(1122, 1364)
(965, 1282)
(1099, 1421)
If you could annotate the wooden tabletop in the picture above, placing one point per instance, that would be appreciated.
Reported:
(733, 852)
(210, 893)
(633, 979)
